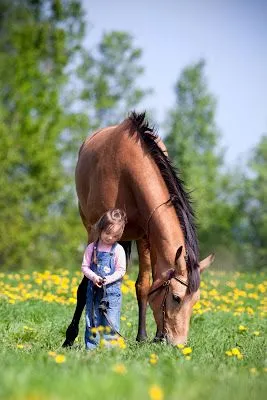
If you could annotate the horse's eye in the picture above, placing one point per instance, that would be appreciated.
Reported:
(176, 298)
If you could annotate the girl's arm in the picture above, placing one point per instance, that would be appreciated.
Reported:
(120, 265)
(86, 270)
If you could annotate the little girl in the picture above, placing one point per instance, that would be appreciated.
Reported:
(104, 264)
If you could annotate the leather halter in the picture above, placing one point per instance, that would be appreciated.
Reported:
(166, 285)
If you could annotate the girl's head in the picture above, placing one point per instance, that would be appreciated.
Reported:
(110, 227)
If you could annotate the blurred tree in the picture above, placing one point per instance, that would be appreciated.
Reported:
(193, 145)
(253, 203)
(110, 90)
(44, 112)
(38, 39)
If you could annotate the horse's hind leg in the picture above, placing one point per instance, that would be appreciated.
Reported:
(142, 286)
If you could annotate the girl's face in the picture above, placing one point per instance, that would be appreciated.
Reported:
(111, 235)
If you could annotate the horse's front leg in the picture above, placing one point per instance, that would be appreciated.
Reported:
(142, 286)
(73, 329)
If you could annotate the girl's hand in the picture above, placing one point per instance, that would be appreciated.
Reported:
(99, 281)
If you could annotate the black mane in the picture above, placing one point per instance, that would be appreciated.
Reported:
(179, 197)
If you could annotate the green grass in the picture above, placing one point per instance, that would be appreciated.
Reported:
(39, 326)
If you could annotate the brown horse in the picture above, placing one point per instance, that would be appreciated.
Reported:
(127, 166)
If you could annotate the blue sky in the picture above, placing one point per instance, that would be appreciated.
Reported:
(230, 35)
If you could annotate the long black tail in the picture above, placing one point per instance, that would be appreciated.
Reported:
(73, 329)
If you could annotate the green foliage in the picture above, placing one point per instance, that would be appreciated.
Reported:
(193, 145)
(45, 113)
(110, 88)
(252, 202)
(36, 46)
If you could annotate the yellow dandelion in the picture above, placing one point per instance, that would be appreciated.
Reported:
(128, 323)
(120, 369)
(256, 333)
(101, 328)
(186, 351)
(153, 359)
(235, 351)
(229, 353)
(242, 328)
(20, 346)
(121, 343)
(253, 370)
(180, 346)
(103, 343)
(123, 318)
(60, 358)
(156, 393)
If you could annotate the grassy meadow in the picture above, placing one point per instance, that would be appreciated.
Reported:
(225, 357)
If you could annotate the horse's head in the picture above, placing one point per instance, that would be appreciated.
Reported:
(172, 302)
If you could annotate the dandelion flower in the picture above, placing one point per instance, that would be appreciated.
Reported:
(253, 371)
(180, 346)
(235, 351)
(101, 328)
(229, 353)
(20, 346)
(242, 328)
(256, 333)
(153, 359)
(119, 369)
(186, 351)
(60, 358)
(156, 393)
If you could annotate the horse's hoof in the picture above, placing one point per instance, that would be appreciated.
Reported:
(158, 339)
(141, 338)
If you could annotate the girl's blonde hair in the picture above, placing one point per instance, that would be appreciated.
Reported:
(110, 218)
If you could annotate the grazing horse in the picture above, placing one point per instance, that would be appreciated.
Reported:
(126, 166)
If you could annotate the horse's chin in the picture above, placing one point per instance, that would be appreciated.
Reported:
(174, 341)
(171, 340)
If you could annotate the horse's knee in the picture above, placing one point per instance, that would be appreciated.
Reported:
(142, 288)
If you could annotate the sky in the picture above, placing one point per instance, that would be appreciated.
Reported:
(231, 35)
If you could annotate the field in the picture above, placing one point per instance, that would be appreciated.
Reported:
(225, 357)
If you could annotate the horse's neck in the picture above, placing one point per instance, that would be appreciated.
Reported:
(166, 236)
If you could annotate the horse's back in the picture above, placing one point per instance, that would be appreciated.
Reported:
(102, 176)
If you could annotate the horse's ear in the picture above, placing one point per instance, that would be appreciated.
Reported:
(178, 253)
(206, 262)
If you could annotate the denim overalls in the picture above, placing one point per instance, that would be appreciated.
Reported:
(94, 317)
